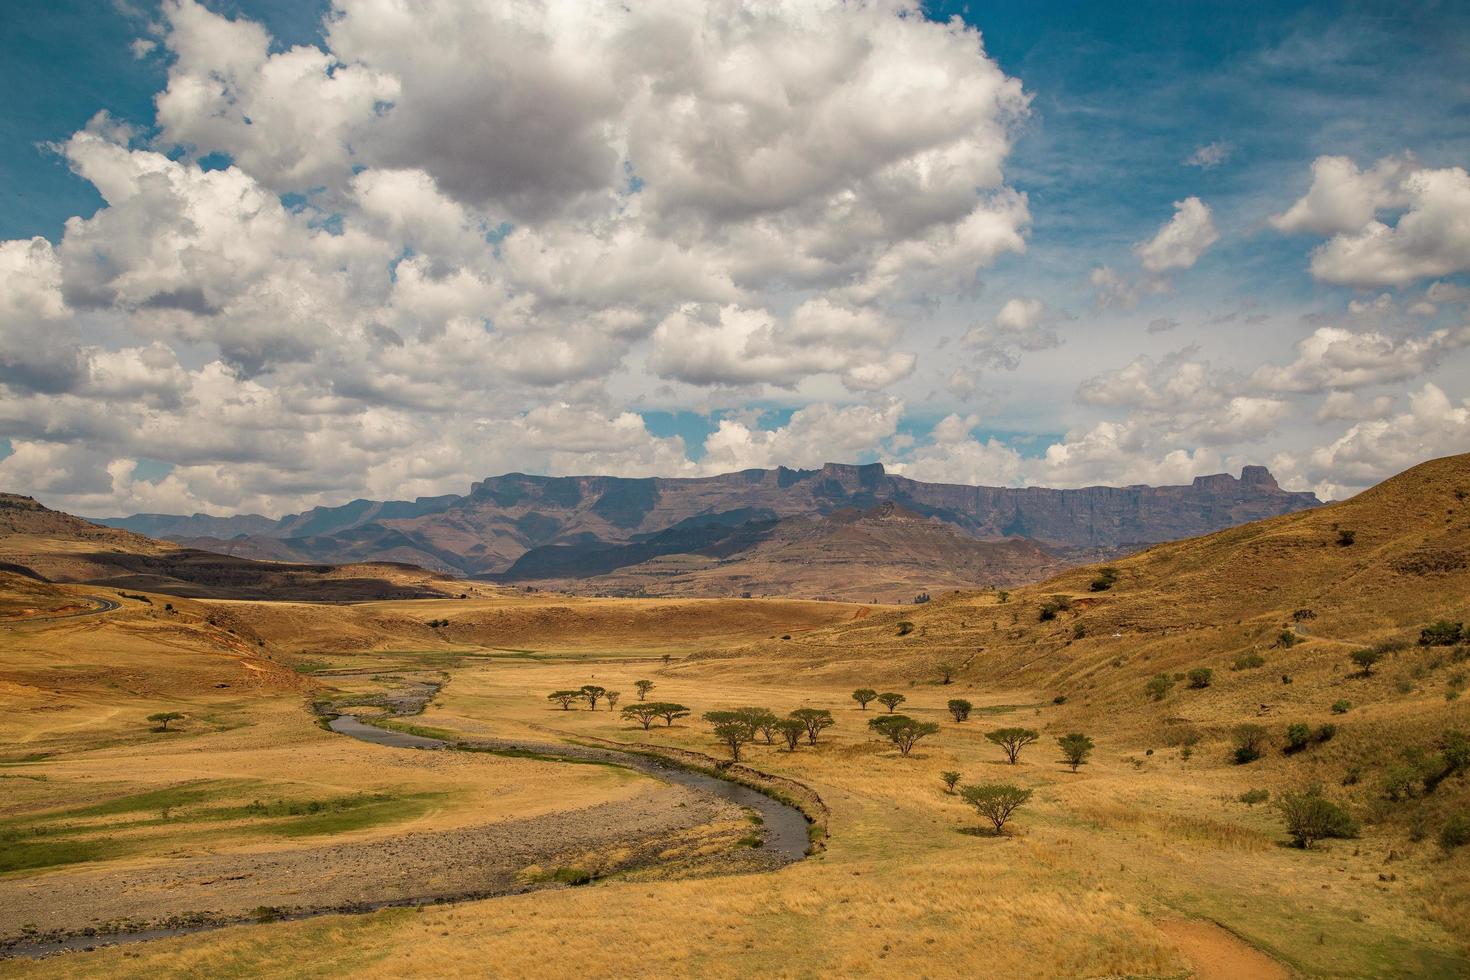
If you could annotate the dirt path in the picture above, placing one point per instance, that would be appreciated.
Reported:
(1218, 954)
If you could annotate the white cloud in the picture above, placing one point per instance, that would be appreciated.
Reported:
(1375, 449)
(1430, 238)
(1210, 155)
(817, 434)
(1182, 240)
(1022, 324)
(1335, 358)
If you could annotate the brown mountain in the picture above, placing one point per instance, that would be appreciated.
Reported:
(503, 518)
(40, 546)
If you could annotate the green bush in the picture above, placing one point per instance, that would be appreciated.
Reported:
(1253, 796)
(1106, 578)
(1199, 677)
(1367, 658)
(1298, 737)
(1345, 538)
(1311, 817)
(960, 709)
(905, 627)
(1442, 633)
(1159, 686)
(1249, 741)
(1456, 832)
(1341, 706)
(996, 801)
(1248, 661)
(1076, 747)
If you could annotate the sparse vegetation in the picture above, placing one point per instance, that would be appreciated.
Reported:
(1199, 677)
(1442, 633)
(643, 688)
(891, 700)
(905, 627)
(1158, 687)
(997, 802)
(1253, 796)
(1012, 741)
(1366, 659)
(902, 730)
(1455, 832)
(951, 779)
(1106, 578)
(960, 709)
(1341, 706)
(1075, 747)
(1346, 537)
(945, 670)
(863, 695)
(1248, 661)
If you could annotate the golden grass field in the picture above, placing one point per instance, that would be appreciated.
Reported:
(1144, 863)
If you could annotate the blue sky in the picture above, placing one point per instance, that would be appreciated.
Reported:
(1133, 109)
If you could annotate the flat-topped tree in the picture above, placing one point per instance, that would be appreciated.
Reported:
(764, 722)
(734, 728)
(815, 719)
(164, 717)
(1012, 740)
(643, 712)
(643, 688)
(902, 730)
(565, 698)
(791, 729)
(593, 694)
(670, 712)
(863, 695)
(890, 700)
(995, 801)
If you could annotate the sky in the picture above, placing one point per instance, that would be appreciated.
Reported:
(263, 255)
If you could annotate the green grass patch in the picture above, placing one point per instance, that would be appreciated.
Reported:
(35, 855)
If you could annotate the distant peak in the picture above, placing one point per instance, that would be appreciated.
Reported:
(1255, 477)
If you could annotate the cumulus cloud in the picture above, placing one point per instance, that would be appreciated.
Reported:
(1022, 324)
(1340, 359)
(1374, 449)
(1182, 240)
(1430, 238)
(817, 434)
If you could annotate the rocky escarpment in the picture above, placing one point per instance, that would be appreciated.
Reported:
(504, 517)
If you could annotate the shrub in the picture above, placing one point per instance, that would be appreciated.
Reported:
(1012, 740)
(996, 801)
(905, 627)
(1442, 633)
(921, 598)
(1325, 733)
(1366, 658)
(1311, 817)
(891, 700)
(960, 708)
(1287, 639)
(791, 729)
(1345, 538)
(1249, 739)
(1341, 706)
(902, 730)
(1200, 677)
(1054, 605)
(1075, 747)
(1248, 661)
(1106, 578)
(815, 719)
(1002, 597)
(565, 698)
(1455, 832)
(863, 695)
(1298, 737)
(951, 779)
(1253, 796)
(1182, 733)
(1059, 699)
(1399, 781)
(1159, 686)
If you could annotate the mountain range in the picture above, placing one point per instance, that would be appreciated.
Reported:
(759, 530)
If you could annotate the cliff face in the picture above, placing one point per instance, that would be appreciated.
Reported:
(503, 517)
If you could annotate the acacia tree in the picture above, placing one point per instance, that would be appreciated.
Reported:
(815, 719)
(612, 699)
(669, 711)
(946, 671)
(995, 801)
(592, 693)
(960, 708)
(1366, 658)
(1075, 747)
(1012, 740)
(565, 698)
(890, 700)
(164, 717)
(951, 778)
(734, 728)
(902, 730)
(791, 729)
(863, 695)
(643, 711)
(643, 688)
(762, 721)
